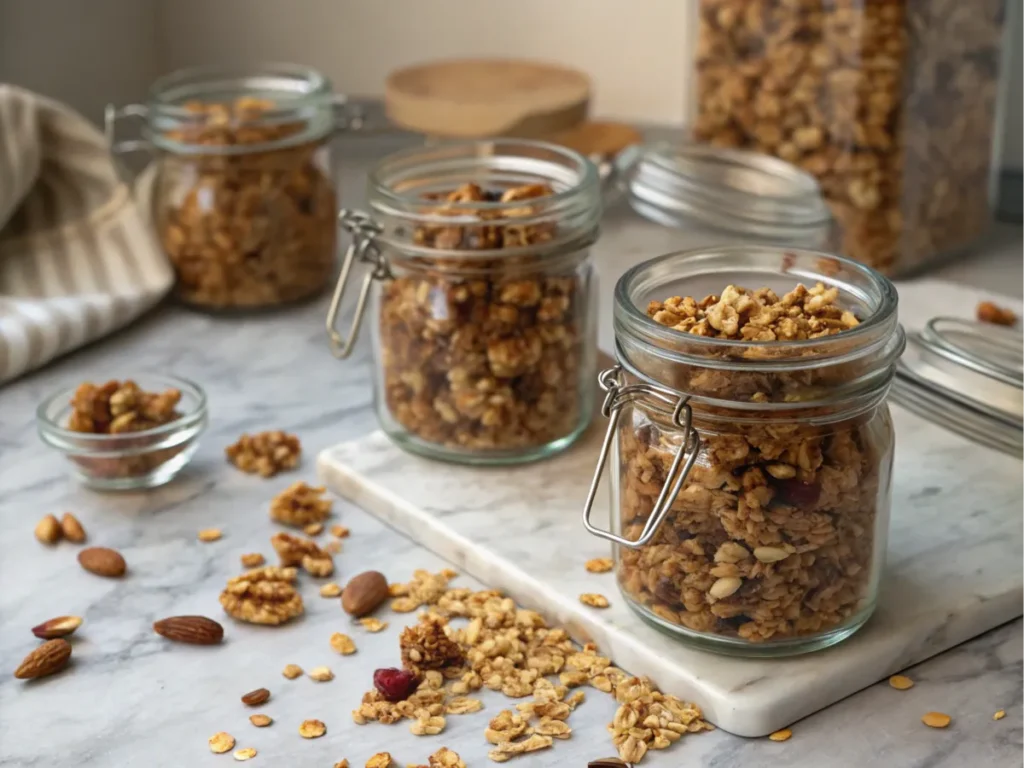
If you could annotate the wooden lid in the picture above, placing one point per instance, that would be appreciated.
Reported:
(598, 139)
(474, 98)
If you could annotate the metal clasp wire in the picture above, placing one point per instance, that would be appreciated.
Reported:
(682, 417)
(363, 247)
(110, 117)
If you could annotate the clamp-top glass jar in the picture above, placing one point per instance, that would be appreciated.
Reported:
(752, 447)
(243, 197)
(484, 337)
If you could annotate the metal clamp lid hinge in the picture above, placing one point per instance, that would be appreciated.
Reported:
(363, 247)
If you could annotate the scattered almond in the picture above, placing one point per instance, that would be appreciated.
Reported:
(373, 625)
(999, 715)
(364, 593)
(340, 531)
(257, 697)
(221, 742)
(210, 534)
(312, 729)
(313, 529)
(71, 528)
(594, 600)
(52, 656)
(102, 561)
(252, 560)
(261, 721)
(48, 530)
(936, 719)
(599, 565)
(246, 753)
(380, 760)
(782, 735)
(901, 682)
(343, 644)
(330, 590)
(321, 674)
(292, 671)
(62, 626)
(195, 630)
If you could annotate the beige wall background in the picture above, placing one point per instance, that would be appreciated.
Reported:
(638, 52)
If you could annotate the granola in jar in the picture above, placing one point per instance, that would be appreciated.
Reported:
(776, 535)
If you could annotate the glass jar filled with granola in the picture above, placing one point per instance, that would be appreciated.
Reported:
(243, 198)
(751, 445)
(482, 298)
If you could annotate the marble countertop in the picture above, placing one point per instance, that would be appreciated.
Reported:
(129, 698)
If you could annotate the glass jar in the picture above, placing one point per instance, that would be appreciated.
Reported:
(891, 105)
(243, 199)
(483, 298)
(751, 479)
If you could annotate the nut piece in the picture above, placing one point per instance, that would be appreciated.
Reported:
(340, 531)
(320, 567)
(343, 644)
(102, 561)
(594, 600)
(427, 646)
(221, 742)
(52, 656)
(330, 590)
(900, 682)
(210, 534)
(261, 721)
(313, 529)
(599, 565)
(246, 753)
(195, 630)
(72, 528)
(252, 560)
(312, 729)
(321, 674)
(988, 312)
(782, 735)
(936, 719)
(48, 530)
(265, 453)
(294, 550)
(301, 505)
(364, 593)
(61, 626)
(257, 697)
(380, 760)
(292, 671)
(262, 596)
(770, 554)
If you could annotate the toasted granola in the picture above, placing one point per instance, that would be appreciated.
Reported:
(301, 505)
(294, 550)
(427, 646)
(265, 453)
(262, 596)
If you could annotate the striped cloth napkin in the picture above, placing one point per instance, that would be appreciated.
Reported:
(78, 256)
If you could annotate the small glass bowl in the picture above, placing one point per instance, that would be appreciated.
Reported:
(128, 460)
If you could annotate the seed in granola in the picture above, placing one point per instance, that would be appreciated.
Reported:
(210, 534)
(770, 554)
(256, 697)
(989, 312)
(999, 715)
(246, 753)
(301, 505)
(395, 684)
(725, 586)
(380, 760)
(265, 453)
(313, 529)
(936, 719)
(370, 624)
(343, 644)
(221, 742)
(599, 565)
(252, 560)
(782, 735)
(901, 682)
(261, 721)
(594, 600)
(331, 589)
(340, 531)
(292, 671)
(312, 729)
(321, 674)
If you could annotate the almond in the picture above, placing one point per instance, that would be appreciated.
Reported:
(72, 528)
(364, 593)
(48, 530)
(196, 630)
(257, 697)
(48, 658)
(102, 561)
(60, 626)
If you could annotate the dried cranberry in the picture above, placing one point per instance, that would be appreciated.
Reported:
(798, 494)
(492, 195)
(395, 684)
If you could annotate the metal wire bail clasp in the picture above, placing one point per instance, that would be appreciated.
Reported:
(617, 396)
(363, 247)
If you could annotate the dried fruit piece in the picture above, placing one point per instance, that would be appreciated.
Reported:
(900, 682)
(395, 684)
(210, 534)
(427, 646)
(256, 697)
(292, 671)
(343, 644)
(252, 560)
(340, 531)
(321, 674)
(262, 596)
(782, 735)
(599, 565)
(371, 624)
(594, 600)
(312, 729)
(72, 528)
(195, 630)
(48, 530)
(988, 312)
(265, 453)
(102, 561)
(221, 742)
(313, 529)
(999, 715)
(48, 658)
(330, 590)
(936, 719)
(261, 721)
(380, 760)
(364, 593)
(246, 753)
(301, 505)
(61, 626)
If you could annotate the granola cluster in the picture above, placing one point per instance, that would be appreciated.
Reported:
(295, 550)
(252, 225)
(773, 534)
(301, 505)
(265, 453)
(263, 596)
(426, 646)
(485, 355)
(891, 105)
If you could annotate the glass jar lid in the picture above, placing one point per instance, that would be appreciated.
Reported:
(680, 183)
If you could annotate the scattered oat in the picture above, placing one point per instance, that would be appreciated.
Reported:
(292, 671)
(313, 529)
(246, 753)
(312, 729)
(380, 760)
(446, 758)
(373, 625)
(427, 724)
(557, 729)
(261, 721)
(462, 705)
(343, 763)
(901, 682)
(594, 600)
(340, 531)
(331, 589)
(782, 735)
(321, 674)
(210, 534)
(222, 742)
(599, 565)
(334, 547)
(343, 644)
(999, 715)
(936, 719)
(252, 560)
(509, 749)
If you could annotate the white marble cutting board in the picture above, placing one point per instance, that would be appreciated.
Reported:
(954, 564)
